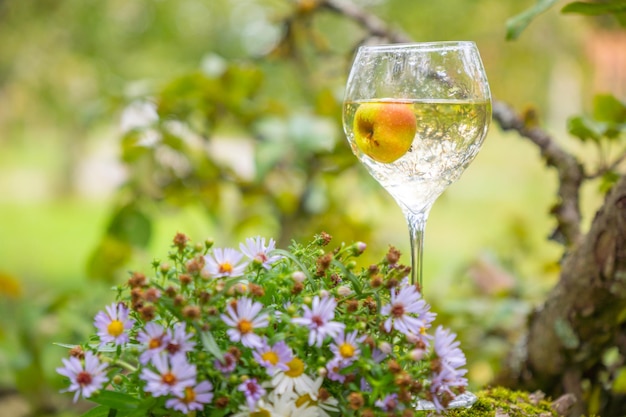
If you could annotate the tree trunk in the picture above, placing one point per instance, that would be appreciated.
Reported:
(583, 316)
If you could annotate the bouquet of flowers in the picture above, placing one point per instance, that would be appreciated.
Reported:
(262, 331)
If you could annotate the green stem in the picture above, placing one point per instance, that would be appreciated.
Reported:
(120, 363)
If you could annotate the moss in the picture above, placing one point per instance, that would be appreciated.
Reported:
(507, 402)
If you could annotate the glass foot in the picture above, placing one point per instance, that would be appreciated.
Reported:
(464, 400)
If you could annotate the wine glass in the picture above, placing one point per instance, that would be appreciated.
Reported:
(416, 115)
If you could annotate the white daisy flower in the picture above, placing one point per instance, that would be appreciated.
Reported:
(293, 379)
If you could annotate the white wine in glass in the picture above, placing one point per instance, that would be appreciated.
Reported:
(416, 116)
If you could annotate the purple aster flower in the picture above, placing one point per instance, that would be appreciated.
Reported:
(85, 378)
(364, 385)
(253, 392)
(113, 325)
(334, 367)
(408, 312)
(318, 319)
(256, 250)
(273, 358)
(389, 403)
(227, 365)
(447, 373)
(447, 349)
(346, 346)
(179, 341)
(194, 398)
(224, 263)
(154, 340)
(243, 319)
(173, 375)
(442, 384)
(378, 355)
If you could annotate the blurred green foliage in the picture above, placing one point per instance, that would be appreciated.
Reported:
(233, 129)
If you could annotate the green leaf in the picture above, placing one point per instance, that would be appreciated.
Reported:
(208, 341)
(98, 411)
(619, 384)
(583, 128)
(116, 400)
(608, 180)
(516, 25)
(133, 146)
(311, 133)
(356, 283)
(96, 347)
(595, 9)
(240, 82)
(607, 108)
(131, 225)
(108, 257)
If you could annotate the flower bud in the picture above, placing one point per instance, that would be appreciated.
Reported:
(385, 347)
(360, 247)
(412, 338)
(292, 309)
(417, 354)
(77, 352)
(299, 276)
(180, 241)
(344, 291)
(355, 400)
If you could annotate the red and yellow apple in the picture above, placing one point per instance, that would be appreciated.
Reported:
(384, 131)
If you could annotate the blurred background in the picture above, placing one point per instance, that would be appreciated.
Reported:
(122, 123)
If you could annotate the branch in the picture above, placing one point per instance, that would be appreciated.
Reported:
(569, 169)
(374, 26)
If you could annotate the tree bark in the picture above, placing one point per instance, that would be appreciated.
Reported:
(583, 315)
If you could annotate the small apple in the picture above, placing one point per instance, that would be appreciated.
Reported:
(384, 131)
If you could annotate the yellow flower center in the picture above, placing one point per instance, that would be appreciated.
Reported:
(115, 328)
(244, 326)
(190, 395)
(305, 400)
(169, 378)
(270, 357)
(226, 268)
(154, 343)
(346, 350)
(296, 368)
(423, 330)
(261, 413)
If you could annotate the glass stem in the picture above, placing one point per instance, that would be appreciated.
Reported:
(417, 224)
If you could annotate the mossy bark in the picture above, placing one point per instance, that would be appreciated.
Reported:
(502, 402)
